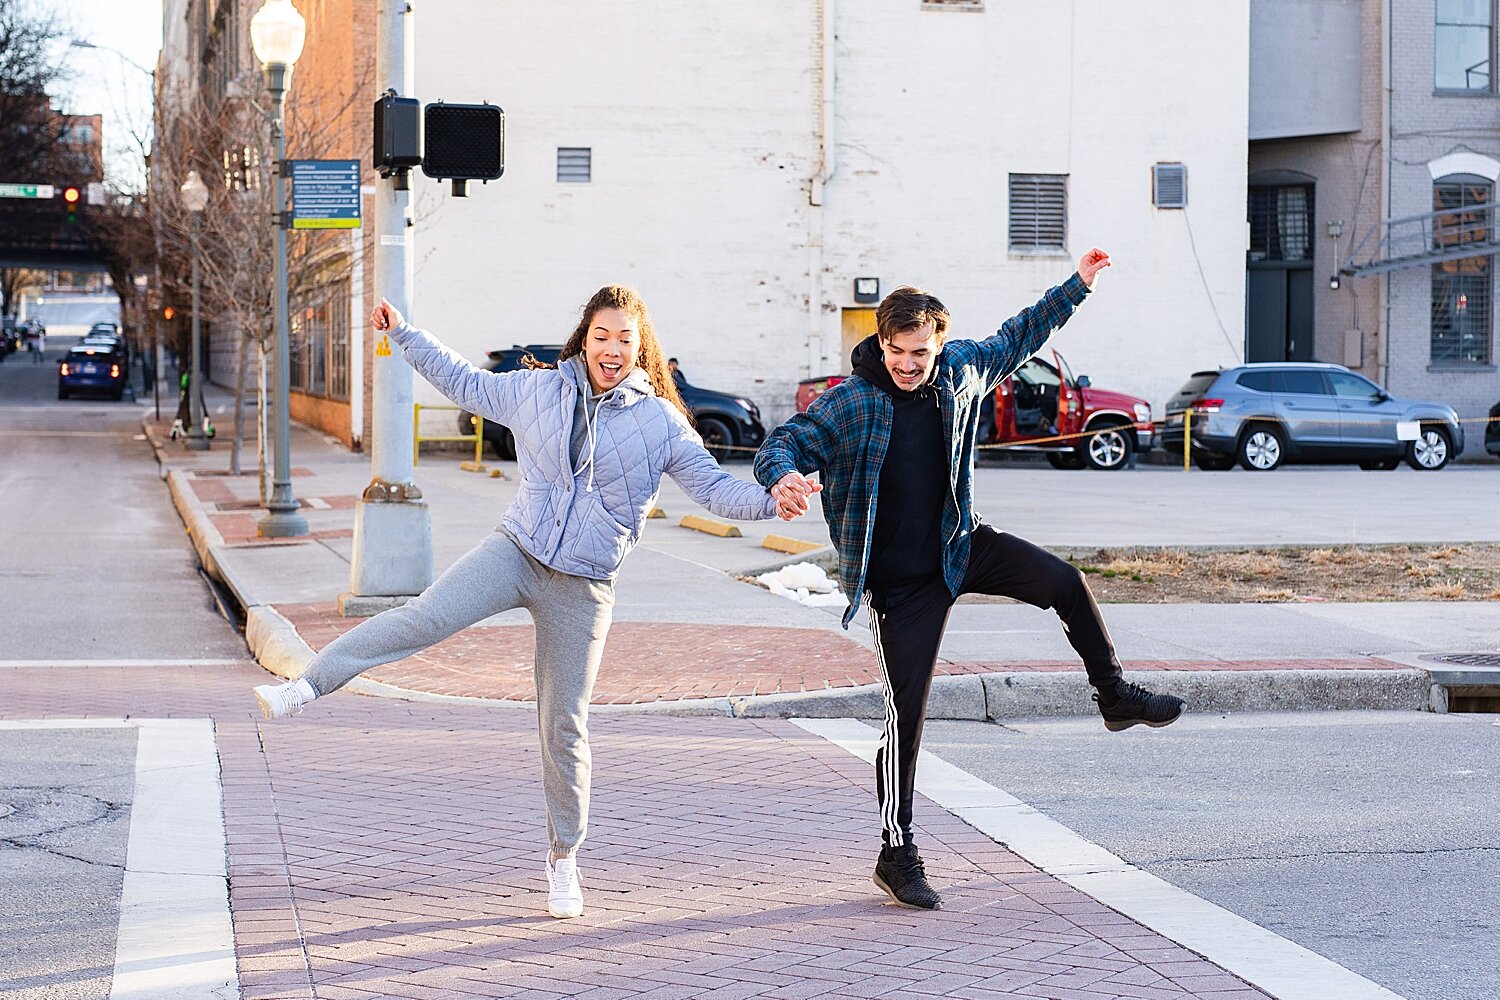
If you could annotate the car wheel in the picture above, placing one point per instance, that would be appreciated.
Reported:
(1065, 459)
(504, 443)
(1262, 448)
(1109, 449)
(717, 437)
(1380, 464)
(1214, 463)
(1431, 450)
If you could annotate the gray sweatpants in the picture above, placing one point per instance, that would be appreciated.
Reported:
(572, 616)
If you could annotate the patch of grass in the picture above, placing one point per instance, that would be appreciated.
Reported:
(1271, 596)
(1445, 592)
(1458, 572)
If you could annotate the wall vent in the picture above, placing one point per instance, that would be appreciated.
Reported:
(575, 164)
(1169, 185)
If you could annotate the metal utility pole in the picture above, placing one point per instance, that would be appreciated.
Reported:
(392, 528)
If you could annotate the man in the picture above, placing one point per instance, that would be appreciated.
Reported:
(677, 376)
(895, 444)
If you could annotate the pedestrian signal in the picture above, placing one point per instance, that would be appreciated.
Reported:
(168, 313)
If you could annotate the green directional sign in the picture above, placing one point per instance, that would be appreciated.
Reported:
(26, 191)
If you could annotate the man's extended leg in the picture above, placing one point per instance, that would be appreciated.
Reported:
(1006, 566)
(907, 626)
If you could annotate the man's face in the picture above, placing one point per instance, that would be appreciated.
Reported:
(910, 355)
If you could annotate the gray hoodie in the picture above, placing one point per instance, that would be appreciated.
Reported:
(583, 517)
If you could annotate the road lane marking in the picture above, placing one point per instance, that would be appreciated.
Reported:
(176, 937)
(1280, 967)
(66, 434)
(25, 664)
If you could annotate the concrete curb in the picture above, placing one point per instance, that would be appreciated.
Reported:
(275, 644)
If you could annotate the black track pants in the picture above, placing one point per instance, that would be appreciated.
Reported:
(908, 622)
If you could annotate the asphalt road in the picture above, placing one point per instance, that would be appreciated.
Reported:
(64, 824)
(1371, 838)
(96, 562)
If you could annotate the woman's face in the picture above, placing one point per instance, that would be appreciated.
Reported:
(610, 347)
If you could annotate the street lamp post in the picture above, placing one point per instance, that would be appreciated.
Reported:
(195, 197)
(277, 32)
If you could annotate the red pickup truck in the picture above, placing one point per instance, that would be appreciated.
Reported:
(1044, 408)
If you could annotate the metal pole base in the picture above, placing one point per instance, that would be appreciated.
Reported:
(282, 524)
(195, 442)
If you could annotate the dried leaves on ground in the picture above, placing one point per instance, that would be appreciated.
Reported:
(1469, 572)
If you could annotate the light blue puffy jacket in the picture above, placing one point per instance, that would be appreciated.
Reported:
(583, 521)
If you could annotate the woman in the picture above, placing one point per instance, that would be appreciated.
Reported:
(593, 437)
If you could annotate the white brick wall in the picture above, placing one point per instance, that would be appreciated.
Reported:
(701, 119)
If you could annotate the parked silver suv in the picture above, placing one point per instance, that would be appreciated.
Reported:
(1261, 415)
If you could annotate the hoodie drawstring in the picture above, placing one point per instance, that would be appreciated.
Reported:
(593, 440)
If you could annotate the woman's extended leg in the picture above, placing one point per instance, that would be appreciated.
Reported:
(494, 576)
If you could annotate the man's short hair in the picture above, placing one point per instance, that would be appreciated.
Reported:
(909, 308)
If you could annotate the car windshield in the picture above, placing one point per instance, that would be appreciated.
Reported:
(1035, 372)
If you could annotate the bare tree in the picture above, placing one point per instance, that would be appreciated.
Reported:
(227, 140)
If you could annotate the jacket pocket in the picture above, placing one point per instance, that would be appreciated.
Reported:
(602, 542)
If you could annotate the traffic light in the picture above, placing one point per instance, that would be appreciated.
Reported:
(168, 313)
(71, 196)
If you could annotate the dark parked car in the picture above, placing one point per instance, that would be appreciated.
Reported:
(1261, 415)
(1492, 432)
(94, 368)
(725, 422)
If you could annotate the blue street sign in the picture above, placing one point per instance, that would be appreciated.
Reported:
(325, 194)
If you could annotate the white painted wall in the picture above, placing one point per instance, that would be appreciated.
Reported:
(702, 122)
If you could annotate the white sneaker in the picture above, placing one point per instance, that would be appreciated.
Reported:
(564, 894)
(280, 700)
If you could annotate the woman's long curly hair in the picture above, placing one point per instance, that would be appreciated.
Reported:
(649, 356)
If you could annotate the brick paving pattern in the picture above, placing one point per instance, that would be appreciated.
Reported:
(647, 662)
(381, 848)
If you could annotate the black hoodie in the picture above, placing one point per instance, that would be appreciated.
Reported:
(913, 478)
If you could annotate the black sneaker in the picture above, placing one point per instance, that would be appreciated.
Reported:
(899, 872)
(1129, 705)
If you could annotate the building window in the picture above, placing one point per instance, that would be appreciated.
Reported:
(1461, 313)
(1463, 44)
(575, 164)
(1281, 222)
(1039, 212)
(319, 341)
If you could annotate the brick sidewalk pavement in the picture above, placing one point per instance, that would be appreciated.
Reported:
(647, 662)
(380, 848)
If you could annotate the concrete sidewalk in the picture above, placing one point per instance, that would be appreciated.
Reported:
(766, 656)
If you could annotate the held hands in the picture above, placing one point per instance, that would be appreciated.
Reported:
(791, 492)
(386, 316)
(1091, 263)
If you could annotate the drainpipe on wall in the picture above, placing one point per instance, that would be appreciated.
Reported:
(1385, 192)
(825, 164)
